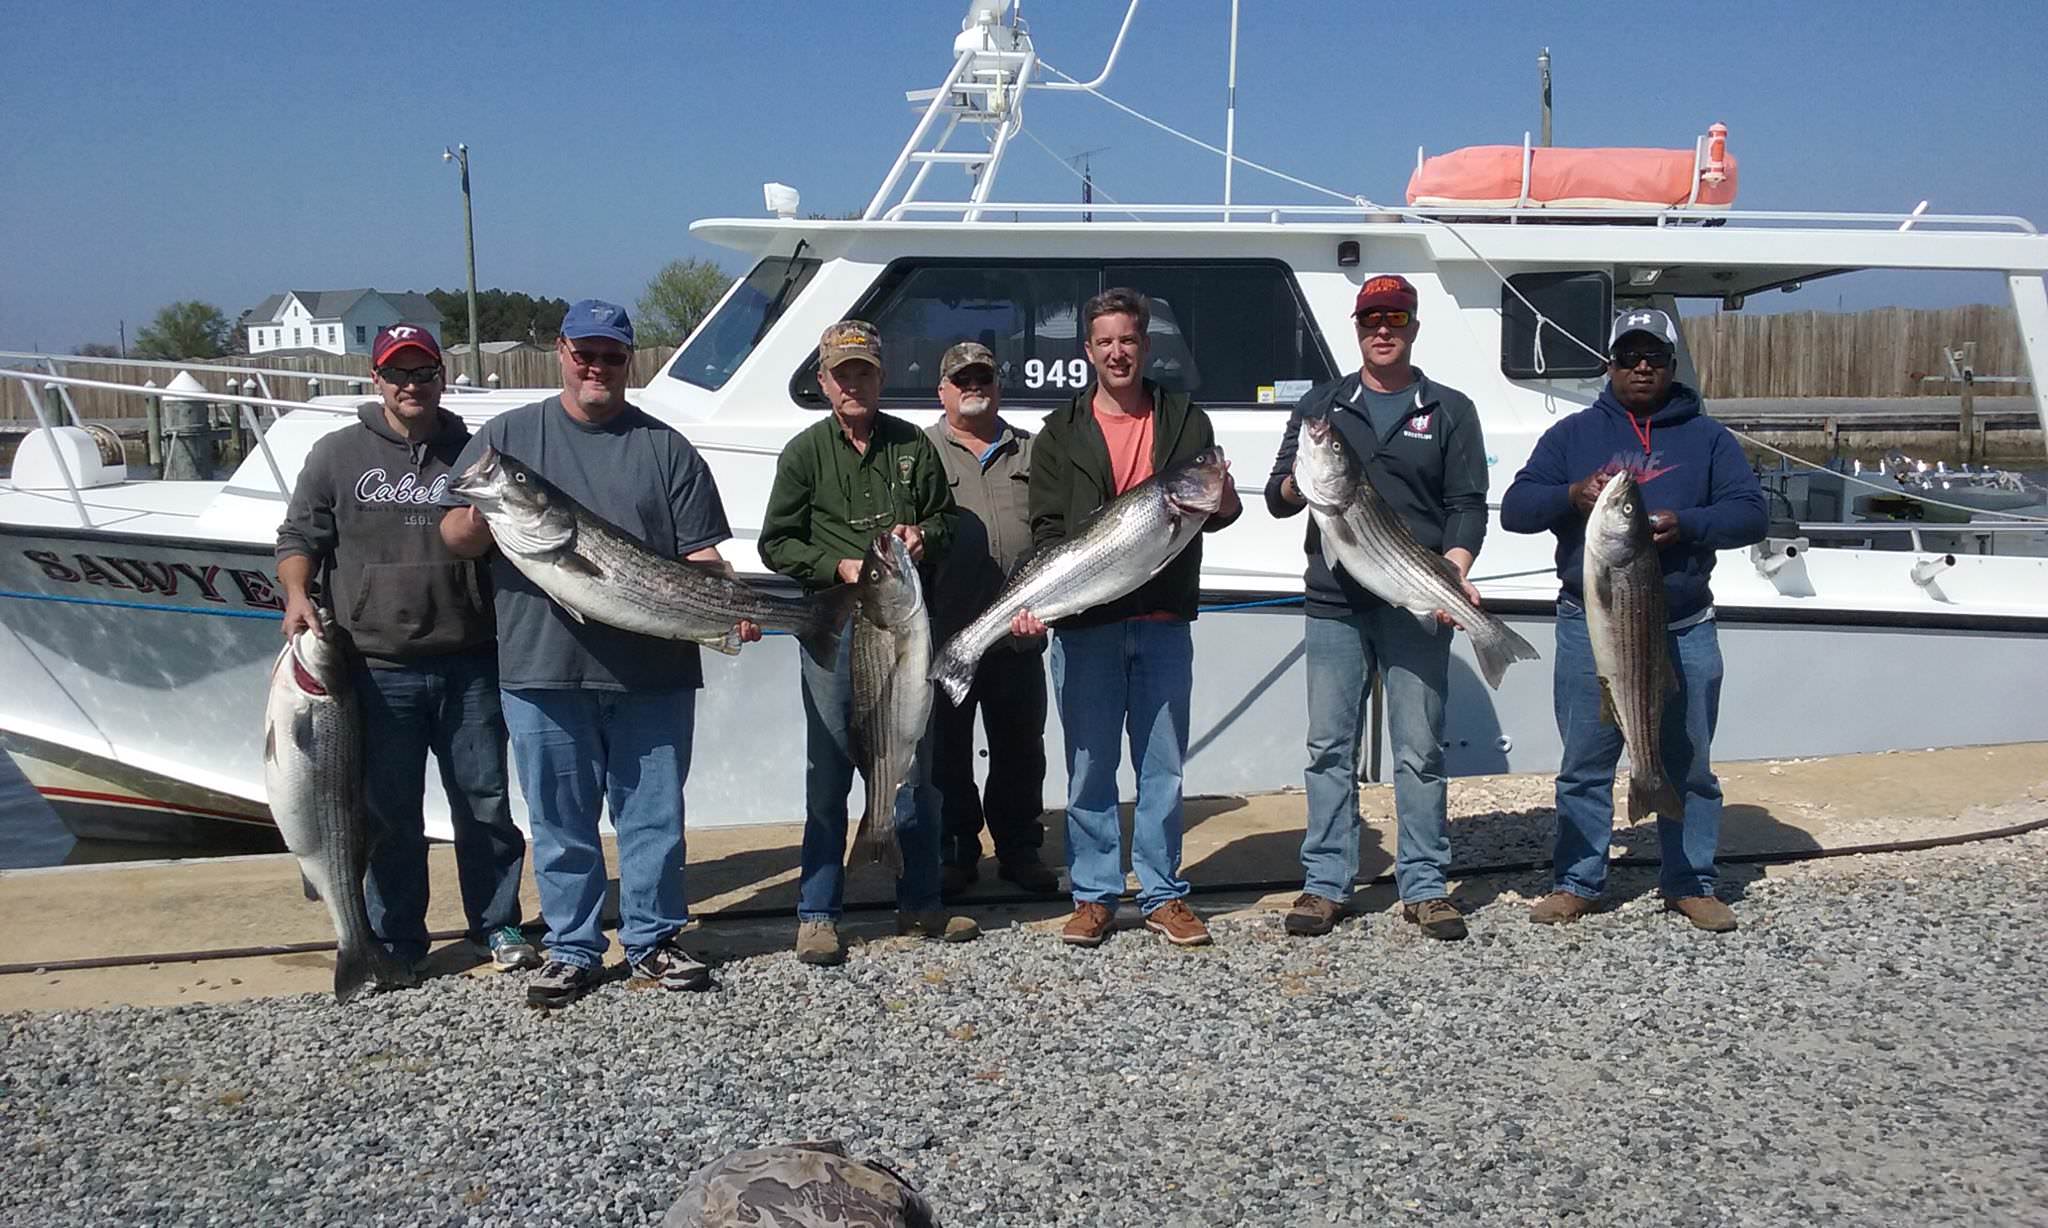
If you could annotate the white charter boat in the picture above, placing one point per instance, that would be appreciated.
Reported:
(138, 618)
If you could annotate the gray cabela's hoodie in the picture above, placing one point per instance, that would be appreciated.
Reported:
(365, 510)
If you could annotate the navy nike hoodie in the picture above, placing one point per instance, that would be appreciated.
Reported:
(1690, 465)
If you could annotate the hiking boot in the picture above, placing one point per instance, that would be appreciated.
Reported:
(817, 943)
(558, 984)
(1559, 907)
(933, 925)
(1312, 915)
(1704, 911)
(1030, 874)
(954, 880)
(508, 949)
(1439, 918)
(671, 967)
(1178, 924)
(1089, 926)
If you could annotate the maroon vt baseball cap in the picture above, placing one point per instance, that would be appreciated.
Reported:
(1389, 291)
(395, 337)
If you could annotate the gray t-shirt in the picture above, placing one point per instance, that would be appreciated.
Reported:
(1385, 410)
(641, 476)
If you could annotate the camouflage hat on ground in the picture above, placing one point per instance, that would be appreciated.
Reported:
(802, 1185)
(964, 355)
(849, 341)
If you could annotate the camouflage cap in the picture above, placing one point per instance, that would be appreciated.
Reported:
(849, 341)
(964, 355)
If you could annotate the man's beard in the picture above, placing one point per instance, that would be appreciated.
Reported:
(975, 407)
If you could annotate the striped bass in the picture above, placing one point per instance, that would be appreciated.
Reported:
(313, 773)
(1363, 535)
(1625, 619)
(1129, 541)
(892, 698)
(600, 573)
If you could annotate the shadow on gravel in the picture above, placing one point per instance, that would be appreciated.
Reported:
(1745, 829)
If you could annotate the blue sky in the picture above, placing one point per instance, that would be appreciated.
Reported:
(165, 151)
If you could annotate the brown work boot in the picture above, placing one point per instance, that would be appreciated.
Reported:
(1178, 924)
(1559, 907)
(1312, 915)
(818, 944)
(1705, 912)
(1089, 926)
(1439, 918)
(933, 925)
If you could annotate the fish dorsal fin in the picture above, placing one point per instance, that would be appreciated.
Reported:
(536, 539)
(1608, 716)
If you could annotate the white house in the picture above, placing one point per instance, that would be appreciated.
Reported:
(334, 321)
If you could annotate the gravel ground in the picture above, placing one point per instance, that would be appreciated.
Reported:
(1866, 1050)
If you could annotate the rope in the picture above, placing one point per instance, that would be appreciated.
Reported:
(1069, 168)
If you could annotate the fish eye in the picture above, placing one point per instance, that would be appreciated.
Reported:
(518, 477)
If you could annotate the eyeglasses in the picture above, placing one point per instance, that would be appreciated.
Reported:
(609, 358)
(971, 378)
(408, 375)
(1370, 320)
(1627, 360)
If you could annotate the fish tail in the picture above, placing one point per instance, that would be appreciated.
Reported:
(830, 611)
(1498, 647)
(1649, 795)
(953, 671)
(358, 967)
(876, 841)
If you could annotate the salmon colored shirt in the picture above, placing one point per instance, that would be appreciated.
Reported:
(1130, 462)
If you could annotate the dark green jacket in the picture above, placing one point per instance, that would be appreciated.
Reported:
(1071, 480)
(829, 501)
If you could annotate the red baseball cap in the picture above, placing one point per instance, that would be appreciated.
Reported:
(1388, 291)
(395, 337)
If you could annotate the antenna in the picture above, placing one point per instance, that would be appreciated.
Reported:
(1087, 178)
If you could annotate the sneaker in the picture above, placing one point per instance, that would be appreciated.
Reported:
(671, 967)
(558, 984)
(954, 880)
(1178, 924)
(1560, 907)
(933, 925)
(509, 949)
(1704, 911)
(1089, 926)
(1030, 874)
(1439, 918)
(817, 943)
(1312, 915)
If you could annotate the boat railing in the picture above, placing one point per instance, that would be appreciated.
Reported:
(34, 382)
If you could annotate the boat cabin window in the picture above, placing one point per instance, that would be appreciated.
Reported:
(731, 334)
(1581, 304)
(1231, 333)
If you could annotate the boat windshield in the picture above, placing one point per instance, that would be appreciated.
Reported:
(726, 339)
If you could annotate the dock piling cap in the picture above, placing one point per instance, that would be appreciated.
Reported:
(185, 388)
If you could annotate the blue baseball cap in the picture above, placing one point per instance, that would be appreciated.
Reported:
(593, 317)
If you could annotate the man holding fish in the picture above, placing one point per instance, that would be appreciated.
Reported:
(1124, 480)
(844, 487)
(1392, 466)
(1641, 489)
(599, 715)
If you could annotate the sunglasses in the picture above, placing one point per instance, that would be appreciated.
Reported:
(408, 375)
(1369, 320)
(593, 358)
(972, 379)
(1658, 359)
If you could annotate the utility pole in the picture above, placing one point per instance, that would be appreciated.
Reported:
(460, 155)
(124, 338)
(1543, 70)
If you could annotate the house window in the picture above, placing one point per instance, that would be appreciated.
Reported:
(295, 336)
(1231, 333)
(361, 334)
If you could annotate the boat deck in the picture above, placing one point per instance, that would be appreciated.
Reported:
(182, 931)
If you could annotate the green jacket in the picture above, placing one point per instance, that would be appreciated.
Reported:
(1070, 481)
(829, 501)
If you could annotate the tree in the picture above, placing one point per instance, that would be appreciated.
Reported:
(97, 349)
(501, 315)
(187, 328)
(677, 300)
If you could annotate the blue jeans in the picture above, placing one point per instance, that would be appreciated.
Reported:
(828, 775)
(624, 751)
(1592, 747)
(1415, 663)
(448, 705)
(1128, 678)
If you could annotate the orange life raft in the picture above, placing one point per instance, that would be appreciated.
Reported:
(1526, 176)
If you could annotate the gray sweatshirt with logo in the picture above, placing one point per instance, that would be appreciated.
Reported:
(365, 509)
